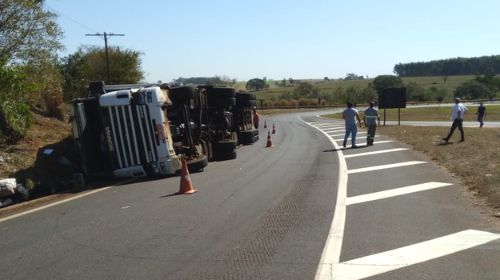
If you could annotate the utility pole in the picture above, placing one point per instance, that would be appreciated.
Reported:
(106, 35)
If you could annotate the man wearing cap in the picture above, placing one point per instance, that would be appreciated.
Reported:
(370, 119)
(457, 115)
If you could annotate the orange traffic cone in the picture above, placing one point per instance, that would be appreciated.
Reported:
(186, 186)
(274, 130)
(269, 142)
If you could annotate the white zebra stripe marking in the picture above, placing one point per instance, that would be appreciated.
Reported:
(385, 166)
(413, 254)
(376, 152)
(395, 192)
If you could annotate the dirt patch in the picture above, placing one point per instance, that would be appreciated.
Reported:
(22, 155)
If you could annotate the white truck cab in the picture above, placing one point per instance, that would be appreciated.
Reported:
(125, 132)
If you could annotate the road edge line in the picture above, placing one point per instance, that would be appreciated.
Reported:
(51, 204)
(333, 244)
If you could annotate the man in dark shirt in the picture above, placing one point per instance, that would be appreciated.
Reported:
(481, 113)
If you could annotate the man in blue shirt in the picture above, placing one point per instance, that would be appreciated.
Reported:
(370, 119)
(350, 115)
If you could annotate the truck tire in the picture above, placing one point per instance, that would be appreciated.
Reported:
(221, 97)
(224, 150)
(246, 137)
(197, 164)
(226, 156)
(181, 95)
(244, 100)
(207, 148)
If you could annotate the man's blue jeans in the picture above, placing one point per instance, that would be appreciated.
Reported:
(350, 129)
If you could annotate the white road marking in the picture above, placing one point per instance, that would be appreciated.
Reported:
(385, 166)
(333, 245)
(417, 253)
(337, 135)
(395, 192)
(376, 152)
(332, 129)
(125, 207)
(328, 125)
(364, 143)
(53, 204)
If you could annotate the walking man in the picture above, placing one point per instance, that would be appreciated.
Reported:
(350, 116)
(481, 113)
(370, 119)
(457, 115)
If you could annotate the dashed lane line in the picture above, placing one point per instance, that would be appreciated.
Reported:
(376, 152)
(413, 254)
(395, 192)
(385, 166)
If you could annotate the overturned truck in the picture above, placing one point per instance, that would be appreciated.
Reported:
(144, 130)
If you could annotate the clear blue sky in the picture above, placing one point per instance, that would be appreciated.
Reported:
(283, 39)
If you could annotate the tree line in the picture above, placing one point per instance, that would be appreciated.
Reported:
(448, 67)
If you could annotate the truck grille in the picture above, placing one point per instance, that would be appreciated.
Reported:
(130, 135)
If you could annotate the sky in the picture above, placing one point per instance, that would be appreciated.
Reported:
(280, 39)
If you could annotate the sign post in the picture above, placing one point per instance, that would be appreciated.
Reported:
(392, 98)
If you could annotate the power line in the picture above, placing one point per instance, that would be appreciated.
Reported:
(106, 35)
(69, 18)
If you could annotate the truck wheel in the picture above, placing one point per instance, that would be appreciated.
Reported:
(207, 149)
(226, 156)
(181, 95)
(246, 137)
(224, 146)
(197, 164)
(225, 150)
(227, 102)
(221, 97)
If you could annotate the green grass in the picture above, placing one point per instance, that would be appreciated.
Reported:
(432, 114)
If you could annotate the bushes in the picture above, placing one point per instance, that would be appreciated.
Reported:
(15, 116)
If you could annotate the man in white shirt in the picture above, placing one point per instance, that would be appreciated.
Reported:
(457, 115)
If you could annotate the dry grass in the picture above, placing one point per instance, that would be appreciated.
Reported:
(22, 155)
(476, 162)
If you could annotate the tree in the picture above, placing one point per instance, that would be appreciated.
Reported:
(256, 84)
(415, 92)
(89, 64)
(382, 82)
(29, 41)
(28, 32)
(305, 90)
(352, 76)
(124, 65)
(473, 90)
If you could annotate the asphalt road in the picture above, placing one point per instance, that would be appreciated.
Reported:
(267, 215)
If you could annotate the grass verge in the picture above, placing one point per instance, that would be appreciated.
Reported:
(476, 161)
(432, 113)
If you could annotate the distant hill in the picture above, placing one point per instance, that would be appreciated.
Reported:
(450, 67)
